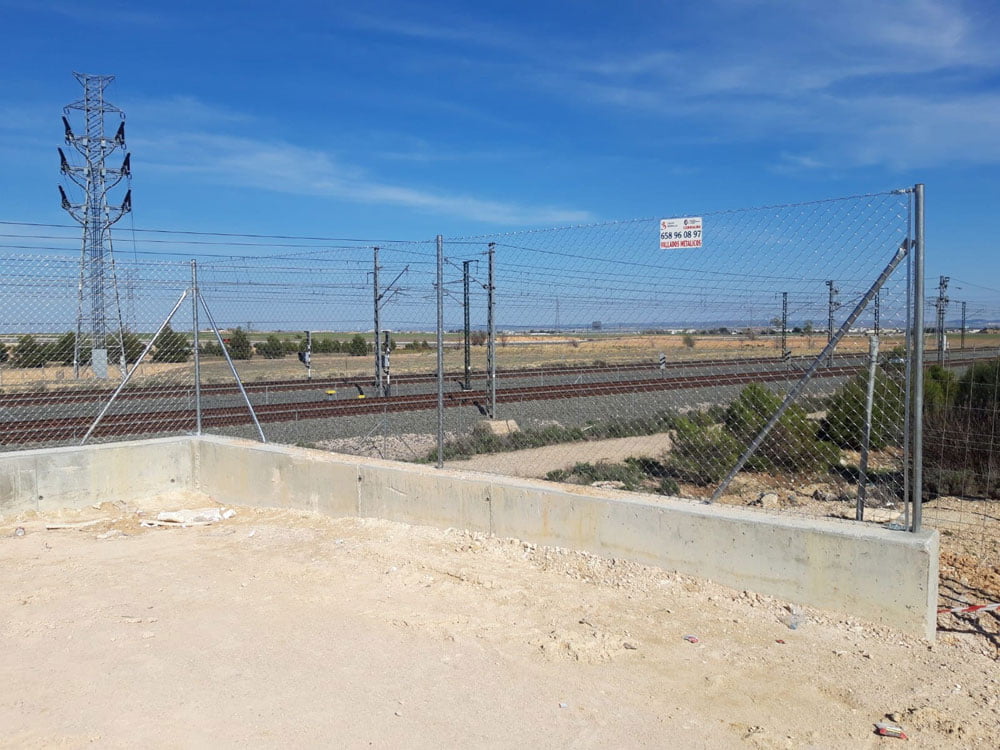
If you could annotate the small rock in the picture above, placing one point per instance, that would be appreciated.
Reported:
(824, 496)
(19, 531)
(768, 500)
(629, 646)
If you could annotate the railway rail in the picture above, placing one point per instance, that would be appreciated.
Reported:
(84, 395)
(183, 420)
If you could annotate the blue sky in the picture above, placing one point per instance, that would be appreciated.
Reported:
(409, 119)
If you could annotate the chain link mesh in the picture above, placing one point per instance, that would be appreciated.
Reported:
(616, 362)
(612, 362)
(623, 365)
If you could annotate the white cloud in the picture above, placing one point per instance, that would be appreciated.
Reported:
(286, 168)
(898, 85)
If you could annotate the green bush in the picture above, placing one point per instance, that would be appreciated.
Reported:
(960, 438)
(629, 473)
(940, 389)
(29, 353)
(272, 348)
(705, 452)
(239, 345)
(171, 346)
(791, 445)
(133, 347)
(357, 347)
(61, 350)
(668, 486)
(702, 455)
(979, 387)
(845, 416)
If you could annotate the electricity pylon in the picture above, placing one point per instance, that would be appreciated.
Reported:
(94, 214)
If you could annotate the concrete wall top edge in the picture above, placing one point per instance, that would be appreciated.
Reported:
(833, 526)
(32, 452)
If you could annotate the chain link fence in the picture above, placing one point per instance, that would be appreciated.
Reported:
(622, 364)
(763, 357)
(585, 354)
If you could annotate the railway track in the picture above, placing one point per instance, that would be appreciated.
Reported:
(84, 395)
(183, 420)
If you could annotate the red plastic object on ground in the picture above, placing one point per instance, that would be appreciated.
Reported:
(888, 730)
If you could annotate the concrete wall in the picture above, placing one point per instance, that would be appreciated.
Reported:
(864, 570)
(65, 477)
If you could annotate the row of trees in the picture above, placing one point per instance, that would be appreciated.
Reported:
(172, 346)
(240, 347)
(169, 346)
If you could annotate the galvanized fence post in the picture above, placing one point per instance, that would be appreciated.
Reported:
(440, 351)
(197, 353)
(867, 434)
(917, 416)
(491, 324)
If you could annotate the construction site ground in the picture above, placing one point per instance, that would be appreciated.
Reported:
(283, 628)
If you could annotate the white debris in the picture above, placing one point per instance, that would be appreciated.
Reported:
(190, 517)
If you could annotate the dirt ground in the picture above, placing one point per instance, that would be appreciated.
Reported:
(281, 628)
(537, 462)
(969, 528)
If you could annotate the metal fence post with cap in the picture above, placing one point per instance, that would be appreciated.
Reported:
(197, 353)
(917, 357)
(440, 351)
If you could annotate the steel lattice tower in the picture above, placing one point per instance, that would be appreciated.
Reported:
(94, 214)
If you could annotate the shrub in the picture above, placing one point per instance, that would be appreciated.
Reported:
(29, 353)
(668, 486)
(845, 417)
(960, 438)
(61, 350)
(629, 473)
(272, 348)
(133, 348)
(702, 455)
(357, 347)
(239, 345)
(791, 445)
(940, 389)
(979, 387)
(326, 346)
(705, 453)
(171, 346)
(689, 341)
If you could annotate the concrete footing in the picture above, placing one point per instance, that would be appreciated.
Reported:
(865, 571)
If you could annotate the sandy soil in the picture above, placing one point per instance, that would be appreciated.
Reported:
(282, 628)
(537, 462)
(970, 529)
